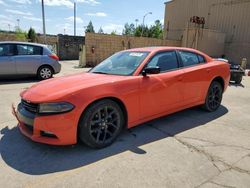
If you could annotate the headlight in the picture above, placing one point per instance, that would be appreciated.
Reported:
(53, 108)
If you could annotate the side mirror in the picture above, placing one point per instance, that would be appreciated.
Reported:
(151, 70)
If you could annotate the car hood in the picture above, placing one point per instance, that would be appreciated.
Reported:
(56, 88)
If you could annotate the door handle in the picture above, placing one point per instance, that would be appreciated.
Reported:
(208, 70)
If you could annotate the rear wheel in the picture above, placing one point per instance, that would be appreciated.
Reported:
(214, 97)
(45, 72)
(101, 123)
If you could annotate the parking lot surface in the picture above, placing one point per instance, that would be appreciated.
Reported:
(191, 148)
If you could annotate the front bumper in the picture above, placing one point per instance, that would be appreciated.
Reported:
(52, 129)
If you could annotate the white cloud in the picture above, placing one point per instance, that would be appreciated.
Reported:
(32, 18)
(97, 14)
(2, 3)
(3, 16)
(22, 1)
(113, 27)
(69, 29)
(91, 2)
(71, 19)
(17, 12)
(7, 24)
(66, 3)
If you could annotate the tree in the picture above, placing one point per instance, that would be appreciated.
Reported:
(129, 29)
(31, 35)
(20, 35)
(90, 28)
(138, 31)
(100, 30)
(113, 33)
(157, 30)
(154, 31)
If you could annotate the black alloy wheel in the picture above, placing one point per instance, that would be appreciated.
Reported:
(214, 97)
(101, 124)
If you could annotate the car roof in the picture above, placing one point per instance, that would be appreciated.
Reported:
(160, 48)
(25, 43)
(154, 49)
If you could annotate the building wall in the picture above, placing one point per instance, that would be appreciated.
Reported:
(209, 41)
(228, 16)
(101, 46)
(68, 46)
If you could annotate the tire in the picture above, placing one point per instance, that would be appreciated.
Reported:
(214, 97)
(101, 123)
(45, 72)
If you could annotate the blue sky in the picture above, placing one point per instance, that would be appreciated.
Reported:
(108, 14)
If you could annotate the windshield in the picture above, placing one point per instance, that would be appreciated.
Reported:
(121, 63)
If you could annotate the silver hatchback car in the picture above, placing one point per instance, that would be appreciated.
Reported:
(23, 58)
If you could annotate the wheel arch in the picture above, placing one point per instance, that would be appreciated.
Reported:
(220, 80)
(115, 99)
(45, 65)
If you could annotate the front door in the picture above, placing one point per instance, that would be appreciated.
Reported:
(162, 92)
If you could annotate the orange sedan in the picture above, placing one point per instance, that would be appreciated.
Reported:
(127, 89)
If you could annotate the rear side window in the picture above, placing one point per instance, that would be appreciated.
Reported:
(165, 60)
(6, 49)
(188, 58)
(201, 59)
(29, 50)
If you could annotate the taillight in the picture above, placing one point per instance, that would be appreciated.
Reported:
(54, 56)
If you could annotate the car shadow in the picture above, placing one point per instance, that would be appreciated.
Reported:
(32, 158)
(18, 80)
(236, 85)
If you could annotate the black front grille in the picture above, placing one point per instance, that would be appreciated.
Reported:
(31, 107)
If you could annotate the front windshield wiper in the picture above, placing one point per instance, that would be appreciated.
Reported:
(99, 72)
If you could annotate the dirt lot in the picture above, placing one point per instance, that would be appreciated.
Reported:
(191, 148)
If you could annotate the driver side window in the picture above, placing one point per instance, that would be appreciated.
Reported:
(165, 60)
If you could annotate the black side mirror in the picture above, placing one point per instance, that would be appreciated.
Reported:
(151, 70)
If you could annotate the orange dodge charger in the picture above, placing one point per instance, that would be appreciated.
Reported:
(127, 89)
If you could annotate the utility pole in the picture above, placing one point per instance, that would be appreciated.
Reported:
(18, 23)
(9, 27)
(143, 22)
(44, 29)
(74, 18)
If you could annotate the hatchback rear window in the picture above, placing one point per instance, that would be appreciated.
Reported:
(29, 50)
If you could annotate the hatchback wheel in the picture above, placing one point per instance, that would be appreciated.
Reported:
(101, 123)
(214, 97)
(45, 72)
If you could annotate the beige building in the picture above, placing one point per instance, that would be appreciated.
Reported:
(226, 29)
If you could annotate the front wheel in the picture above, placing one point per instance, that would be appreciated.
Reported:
(214, 97)
(101, 123)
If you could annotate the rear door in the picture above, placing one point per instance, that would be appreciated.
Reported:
(7, 61)
(28, 58)
(194, 77)
(162, 92)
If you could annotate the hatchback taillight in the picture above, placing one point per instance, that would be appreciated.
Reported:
(54, 56)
